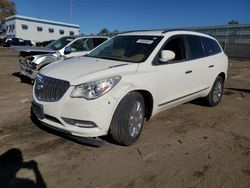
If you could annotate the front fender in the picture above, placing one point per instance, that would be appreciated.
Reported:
(122, 89)
(46, 60)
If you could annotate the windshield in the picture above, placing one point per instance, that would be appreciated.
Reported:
(134, 49)
(60, 43)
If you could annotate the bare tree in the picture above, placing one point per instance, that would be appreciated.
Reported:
(7, 8)
(104, 31)
(233, 22)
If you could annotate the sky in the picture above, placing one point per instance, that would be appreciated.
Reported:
(124, 15)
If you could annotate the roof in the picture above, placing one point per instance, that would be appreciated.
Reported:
(162, 32)
(30, 19)
(144, 32)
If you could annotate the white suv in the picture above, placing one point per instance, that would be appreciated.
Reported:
(127, 79)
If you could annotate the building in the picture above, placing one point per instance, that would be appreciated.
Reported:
(230, 33)
(38, 30)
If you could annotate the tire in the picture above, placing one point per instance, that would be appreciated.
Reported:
(128, 119)
(215, 95)
(25, 79)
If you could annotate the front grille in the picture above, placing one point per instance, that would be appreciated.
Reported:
(49, 89)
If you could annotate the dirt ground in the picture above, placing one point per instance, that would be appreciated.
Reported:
(186, 146)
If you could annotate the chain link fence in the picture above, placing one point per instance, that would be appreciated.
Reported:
(234, 38)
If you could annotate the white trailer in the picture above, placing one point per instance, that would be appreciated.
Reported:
(38, 30)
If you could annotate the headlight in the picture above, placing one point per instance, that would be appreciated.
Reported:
(93, 90)
(33, 66)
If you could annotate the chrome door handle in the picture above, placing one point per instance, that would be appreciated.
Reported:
(188, 71)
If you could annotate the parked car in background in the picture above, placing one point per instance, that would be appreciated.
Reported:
(44, 43)
(1, 41)
(16, 42)
(127, 79)
(33, 59)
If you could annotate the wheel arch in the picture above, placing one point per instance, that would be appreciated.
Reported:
(223, 76)
(149, 102)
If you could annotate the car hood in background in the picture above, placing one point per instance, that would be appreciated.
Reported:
(29, 49)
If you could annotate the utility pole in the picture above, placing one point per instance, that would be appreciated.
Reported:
(228, 27)
(71, 10)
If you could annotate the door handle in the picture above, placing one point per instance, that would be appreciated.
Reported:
(210, 66)
(188, 71)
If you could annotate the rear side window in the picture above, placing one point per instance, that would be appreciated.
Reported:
(195, 47)
(84, 44)
(211, 46)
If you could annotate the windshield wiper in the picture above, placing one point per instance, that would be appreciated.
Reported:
(103, 57)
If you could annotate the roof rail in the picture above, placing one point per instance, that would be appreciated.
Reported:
(164, 30)
(142, 30)
(177, 29)
(185, 29)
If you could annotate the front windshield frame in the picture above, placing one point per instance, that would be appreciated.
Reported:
(55, 45)
(144, 40)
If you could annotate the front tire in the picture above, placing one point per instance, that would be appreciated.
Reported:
(128, 119)
(215, 95)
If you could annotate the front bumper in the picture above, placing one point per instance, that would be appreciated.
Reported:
(98, 111)
(27, 71)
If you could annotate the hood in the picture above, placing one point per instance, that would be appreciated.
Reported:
(32, 49)
(74, 68)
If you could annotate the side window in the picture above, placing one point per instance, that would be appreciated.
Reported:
(195, 47)
(71, 33)
(81, 45)
(24, 26)
(98, 41)
(61, 31)
(39, 28)
(177, 45)
(51, 30)
(211, 46)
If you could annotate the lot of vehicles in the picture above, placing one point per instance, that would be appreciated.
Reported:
(44, 43)
(127, 79)
(16, 42)
(32, 59)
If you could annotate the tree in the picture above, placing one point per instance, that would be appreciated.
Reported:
(233, 22)
(104, 31)
(7, 8)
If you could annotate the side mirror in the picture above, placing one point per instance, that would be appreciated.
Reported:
(167, 55)
(67, 50)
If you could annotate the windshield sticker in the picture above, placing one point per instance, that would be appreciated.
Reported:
(69, 40)
(144, 41)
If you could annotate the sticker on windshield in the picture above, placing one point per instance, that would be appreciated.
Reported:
(144, 41)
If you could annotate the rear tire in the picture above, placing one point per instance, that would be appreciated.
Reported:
(128, 119)
(215, 95)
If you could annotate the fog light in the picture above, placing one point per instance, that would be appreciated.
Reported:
(79, 123)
